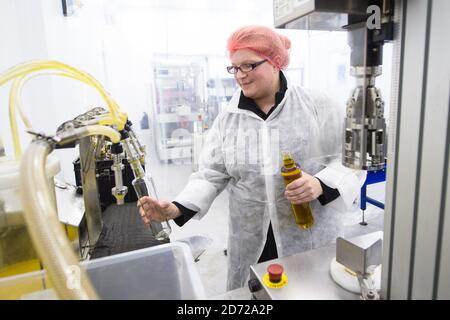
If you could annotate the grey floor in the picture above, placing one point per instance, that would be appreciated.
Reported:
(212, 264)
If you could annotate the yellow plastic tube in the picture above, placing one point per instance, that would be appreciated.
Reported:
(97, 130)
(47, 234)
(34, 66)
(16, 93)
(20, 73)
(49, 239)
(15, 103)
(13, 121)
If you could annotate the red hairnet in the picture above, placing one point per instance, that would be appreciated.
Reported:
(264, 41)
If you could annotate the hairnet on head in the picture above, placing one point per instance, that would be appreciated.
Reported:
(264, 41)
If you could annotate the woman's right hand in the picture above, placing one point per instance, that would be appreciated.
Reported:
(158, 210)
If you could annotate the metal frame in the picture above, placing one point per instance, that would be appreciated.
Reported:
(416, 253)
(416, 259)
(93, 213)
(372, 178)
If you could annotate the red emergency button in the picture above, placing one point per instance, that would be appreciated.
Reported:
(275, 272)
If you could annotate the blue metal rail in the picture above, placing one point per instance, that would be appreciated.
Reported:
(372, 177)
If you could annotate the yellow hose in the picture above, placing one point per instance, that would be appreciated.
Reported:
(12, 120)
(48, 64)
(49, 239)
(15, 102)
(70, 281)
(97, 130)
(19, 73)
(46, 232)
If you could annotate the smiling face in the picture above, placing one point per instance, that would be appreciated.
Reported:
(260, 83)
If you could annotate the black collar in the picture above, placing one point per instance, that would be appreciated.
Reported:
(250, 104)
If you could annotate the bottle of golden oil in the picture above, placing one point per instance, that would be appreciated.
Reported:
(290, 172)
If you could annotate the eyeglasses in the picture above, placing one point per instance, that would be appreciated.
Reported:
(247, 67)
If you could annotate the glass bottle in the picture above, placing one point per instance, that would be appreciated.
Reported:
(290, 172)
(144, 186)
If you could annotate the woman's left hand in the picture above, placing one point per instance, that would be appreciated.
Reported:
(305, 189)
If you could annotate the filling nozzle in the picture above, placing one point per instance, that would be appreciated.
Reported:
(142, 184)
(365, 127)
(364, 146)
(138, 147)
(132, 156)
(119, 191)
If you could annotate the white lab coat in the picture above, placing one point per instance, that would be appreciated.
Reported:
(243, 152)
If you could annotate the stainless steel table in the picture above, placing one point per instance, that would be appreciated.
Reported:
(308, 278)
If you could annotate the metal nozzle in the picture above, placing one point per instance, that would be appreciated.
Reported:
(365, 127)
(119, 191)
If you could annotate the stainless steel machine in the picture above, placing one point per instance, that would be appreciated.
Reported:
(365, 127)
(362, 255)
(307, 276)
(94, 153)
(416, 235)
(363, 143)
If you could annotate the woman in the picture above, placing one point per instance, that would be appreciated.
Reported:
(243, 152)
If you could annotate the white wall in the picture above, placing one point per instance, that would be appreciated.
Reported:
(35, 30)
(77, 41)
(18, 46)
(138, 29)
